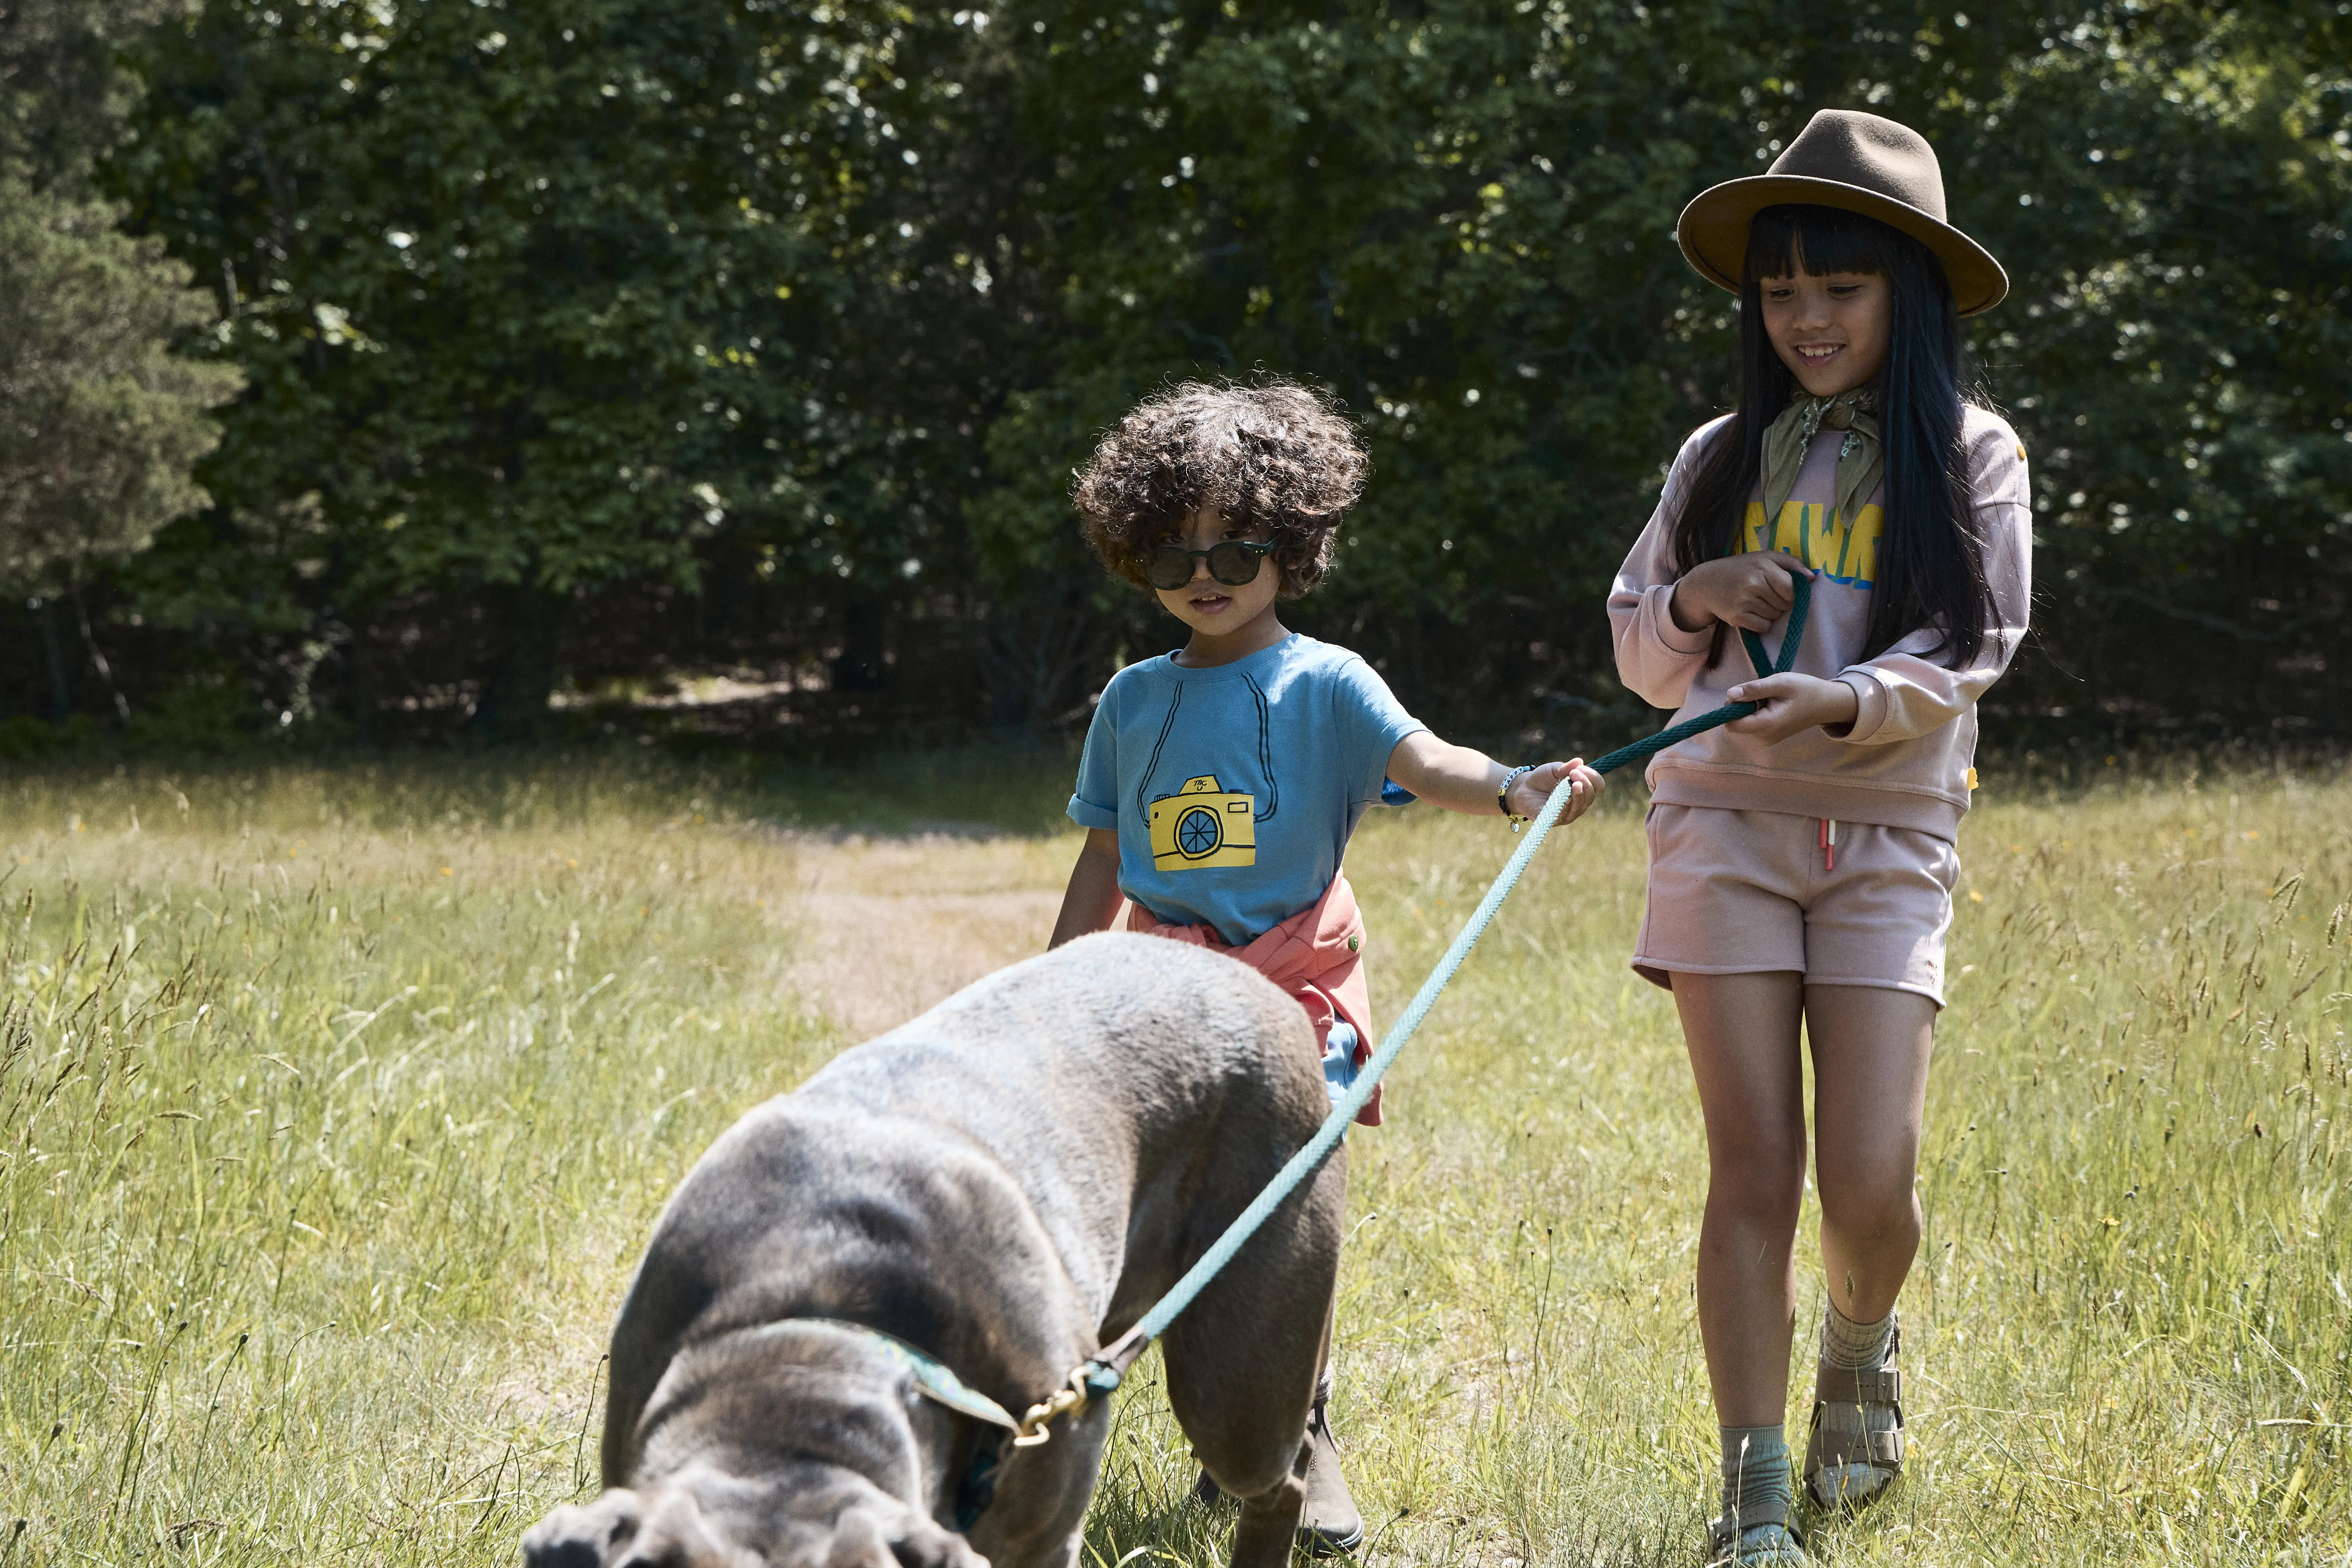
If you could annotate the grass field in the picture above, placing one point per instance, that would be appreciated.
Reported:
(334, 1106)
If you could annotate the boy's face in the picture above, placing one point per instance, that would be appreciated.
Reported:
(1830, 329)
(1209, 607)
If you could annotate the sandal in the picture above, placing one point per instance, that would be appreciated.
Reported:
(1848, 1463)
(1764, 1535)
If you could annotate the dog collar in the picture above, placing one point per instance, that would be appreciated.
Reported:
(933, 1378)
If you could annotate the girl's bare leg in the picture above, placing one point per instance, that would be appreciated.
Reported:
(1870, 1047)
(1742, 1034)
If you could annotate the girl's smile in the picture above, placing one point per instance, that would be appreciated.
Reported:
(1830, 329)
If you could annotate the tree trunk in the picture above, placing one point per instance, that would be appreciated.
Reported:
(530, 620)
(60, 694)
(864, 664)
(98, 657)
(358, 680)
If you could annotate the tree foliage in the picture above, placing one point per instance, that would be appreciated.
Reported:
(539, 304)
(1460, 216)
(101, 417)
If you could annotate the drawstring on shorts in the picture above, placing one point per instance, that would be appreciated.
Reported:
(1829, 843)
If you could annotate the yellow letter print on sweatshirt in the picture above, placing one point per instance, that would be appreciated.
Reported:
(1848, 555)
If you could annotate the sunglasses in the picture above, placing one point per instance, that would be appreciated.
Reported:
(1232, 562)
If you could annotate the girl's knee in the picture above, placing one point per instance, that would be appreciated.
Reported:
(1881, 1209)
(1761, 1184)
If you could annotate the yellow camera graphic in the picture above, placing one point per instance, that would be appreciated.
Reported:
(1201, 824)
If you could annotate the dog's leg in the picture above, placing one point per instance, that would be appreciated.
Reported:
(1269, 1521)
(1243, 1364)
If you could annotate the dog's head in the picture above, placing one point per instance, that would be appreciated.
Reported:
(803, 1450)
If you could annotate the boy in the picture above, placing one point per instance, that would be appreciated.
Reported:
(1220, 783)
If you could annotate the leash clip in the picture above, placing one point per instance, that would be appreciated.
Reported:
(1098, 1379)
(1033, 1430)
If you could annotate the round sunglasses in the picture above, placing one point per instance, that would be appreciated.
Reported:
(1232, 562)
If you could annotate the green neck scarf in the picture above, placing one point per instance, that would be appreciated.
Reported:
(1862, 460)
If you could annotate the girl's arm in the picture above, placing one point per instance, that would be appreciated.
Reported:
(1091, 901)
(1657, 656)
(1462, 779)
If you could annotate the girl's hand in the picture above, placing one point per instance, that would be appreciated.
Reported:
(1750, 591)
(1532, 789)
(1791, 704)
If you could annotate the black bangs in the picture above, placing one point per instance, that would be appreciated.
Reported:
(1783, 240)
(1930, 560)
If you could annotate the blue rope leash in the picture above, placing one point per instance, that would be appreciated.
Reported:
(1101, 1375)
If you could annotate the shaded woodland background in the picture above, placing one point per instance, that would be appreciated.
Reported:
(377, 373)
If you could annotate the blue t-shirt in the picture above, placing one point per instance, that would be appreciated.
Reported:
(1235, 789)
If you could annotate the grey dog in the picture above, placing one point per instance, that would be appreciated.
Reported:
(1006, 1183)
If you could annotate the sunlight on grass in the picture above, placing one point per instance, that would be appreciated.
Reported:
(335, 1106)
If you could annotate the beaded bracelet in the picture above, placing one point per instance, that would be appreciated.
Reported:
(1503, 796)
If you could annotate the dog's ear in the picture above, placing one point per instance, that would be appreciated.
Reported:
(589, 1536)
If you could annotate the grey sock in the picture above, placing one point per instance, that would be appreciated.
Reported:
(1845, 1343)
(1755, 1468)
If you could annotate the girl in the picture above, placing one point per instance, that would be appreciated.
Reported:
(1801, 858)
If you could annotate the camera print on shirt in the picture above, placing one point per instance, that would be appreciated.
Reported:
(1209, 819)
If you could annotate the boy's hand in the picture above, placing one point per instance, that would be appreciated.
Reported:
(1750, 592)
(1531, 789)
(1791, 704)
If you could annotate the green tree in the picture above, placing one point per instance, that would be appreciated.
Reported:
(1459, 215)
(538, 299)
(101, 417)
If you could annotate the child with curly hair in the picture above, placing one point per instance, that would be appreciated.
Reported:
(1220, 783)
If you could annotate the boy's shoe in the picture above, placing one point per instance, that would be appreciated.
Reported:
(1330, 1524)
(1763, 1535)
(1856, 1448)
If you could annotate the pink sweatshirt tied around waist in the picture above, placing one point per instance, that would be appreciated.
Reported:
(1315, 956)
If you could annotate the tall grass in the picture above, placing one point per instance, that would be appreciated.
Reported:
(334, 1106)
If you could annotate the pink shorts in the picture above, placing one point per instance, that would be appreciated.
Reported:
(1737, 892)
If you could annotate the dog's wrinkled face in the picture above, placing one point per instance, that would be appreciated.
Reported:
(763, 1451)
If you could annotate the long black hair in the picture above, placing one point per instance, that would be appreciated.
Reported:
(1930, 556)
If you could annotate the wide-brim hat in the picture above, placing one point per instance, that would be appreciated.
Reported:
(1857, 162)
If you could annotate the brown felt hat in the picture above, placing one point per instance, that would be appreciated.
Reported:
(1858, 163)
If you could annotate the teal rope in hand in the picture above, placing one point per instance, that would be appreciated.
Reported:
(1101, 1374)
(1650, 745)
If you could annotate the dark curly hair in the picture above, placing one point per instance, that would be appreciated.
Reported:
(1273, 454)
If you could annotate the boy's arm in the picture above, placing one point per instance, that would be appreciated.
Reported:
(1092, 900)
(1462, 779)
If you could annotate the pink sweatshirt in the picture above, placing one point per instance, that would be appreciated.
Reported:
(1317, 956)
(1906, 761)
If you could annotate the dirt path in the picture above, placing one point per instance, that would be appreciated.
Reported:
(891, 926)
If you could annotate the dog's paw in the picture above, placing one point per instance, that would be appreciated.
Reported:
(619, 1531)
(585, 1536)
(924, 1544)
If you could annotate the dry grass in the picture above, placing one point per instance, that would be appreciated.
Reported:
(334, 1106)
